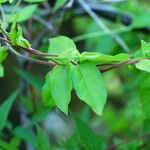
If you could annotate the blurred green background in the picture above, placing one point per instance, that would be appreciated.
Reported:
(124, 114)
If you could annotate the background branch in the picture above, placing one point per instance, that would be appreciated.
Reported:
(119, 64)
(102, 25)
(111, 13)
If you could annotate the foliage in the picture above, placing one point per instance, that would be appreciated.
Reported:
(99, 79)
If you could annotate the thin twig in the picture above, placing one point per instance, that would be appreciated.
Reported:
(112, 147)
(29, 58)
(119, 64)
(102, 25)
(30, 50)
(8, 43)
(113, 1)
(99, 33)
(43, 22)
(69, 4)
(35, 52)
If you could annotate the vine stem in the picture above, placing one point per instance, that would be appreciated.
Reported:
(33, 51)
(30, 59)
(38, 53)
(8, 43)
(30, 50)
(119, 64)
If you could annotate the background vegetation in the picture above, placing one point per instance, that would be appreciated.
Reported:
(106, 26)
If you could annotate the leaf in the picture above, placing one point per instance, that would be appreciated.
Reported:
(39, 116)
(89, 86)
(24, 14)
(145, 48)
(143, 65)
(31, 79)
(5, 108)
(20, 39)
(3, 1)
(13, 144)
(3, 53)
(87, 138)
(141, 20)
(85, 115)
(1, 71)
(60, 44)
(13, 31)
(97, 57)
(59, 4)
(43, 143)
(34, 1)
(63, 46)
(61, 87)
(46, 91)
(27, 103)
(16, 36)
(27, 135)
(10, 1)
(144, 93)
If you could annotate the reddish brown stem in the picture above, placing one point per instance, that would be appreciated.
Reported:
(30, 50)
(119, 64)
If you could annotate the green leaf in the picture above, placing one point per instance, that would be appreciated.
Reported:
(60, 44)
(43, 142)
(31, 79)
(24, 14)
(10, 1)
(143, 65)
(97, 57)
(5, 108)
(46, 91)
(144, 93)
(20, 39)
(3, 1)
(89, 86)
(85, 115)
(27, 135)
(87, 138)
(61, 87)
(59, 4)
(141, 20)
(16, 36)
(145, 48)
(3, 53)
(1, 71)
(13, 32)
(34, 1)
(63, 46)
(13, 144)
(27, 103)
(39, 116)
